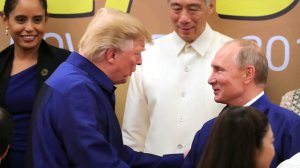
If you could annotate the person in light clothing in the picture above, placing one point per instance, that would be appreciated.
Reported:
(168, 97)
(293, 162)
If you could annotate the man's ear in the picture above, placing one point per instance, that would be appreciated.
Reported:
(249, 73)
(211, 6)
(110, 55)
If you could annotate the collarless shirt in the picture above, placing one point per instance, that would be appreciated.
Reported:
(169, 98)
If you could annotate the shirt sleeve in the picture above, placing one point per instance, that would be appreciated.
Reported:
(136, 116)
(146, 160)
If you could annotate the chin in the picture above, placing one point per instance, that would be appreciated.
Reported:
(121, 81)
(218, 100)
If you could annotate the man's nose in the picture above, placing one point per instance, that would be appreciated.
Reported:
(211, 80)
(139, 60)
(184, 17)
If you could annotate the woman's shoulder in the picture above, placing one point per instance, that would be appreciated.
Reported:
(6, 51)
(53, 50)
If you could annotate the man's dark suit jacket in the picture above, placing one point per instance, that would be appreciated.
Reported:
(285, 125)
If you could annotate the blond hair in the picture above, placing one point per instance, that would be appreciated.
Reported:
(111, 28)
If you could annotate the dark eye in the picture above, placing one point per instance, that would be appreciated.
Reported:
(176, 8)
(194, 8)
(137, 54)
(38, 19)
(217, 69)
(20, 19)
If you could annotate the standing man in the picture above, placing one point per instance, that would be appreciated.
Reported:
(240, 72)
(74, 122)
(168, 98)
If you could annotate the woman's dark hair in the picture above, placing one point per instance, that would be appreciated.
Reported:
(6, 130)
(10, 5)
(235, 137)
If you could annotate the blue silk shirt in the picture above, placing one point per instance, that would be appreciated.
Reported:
(75, 125)
(285, 125)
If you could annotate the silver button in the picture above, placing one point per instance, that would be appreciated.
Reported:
(179, 146)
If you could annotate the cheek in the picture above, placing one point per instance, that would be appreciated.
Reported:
(41, 28)
(267, 155)
(222, 80)
(271, 151)
(174, 17)
(15, 28)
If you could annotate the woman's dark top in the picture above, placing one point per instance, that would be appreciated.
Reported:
(18, 92)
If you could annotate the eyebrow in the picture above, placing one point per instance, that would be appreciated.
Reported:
(189, 5)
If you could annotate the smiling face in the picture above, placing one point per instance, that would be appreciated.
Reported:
(27, 24)
(189, 17)
(126, 61)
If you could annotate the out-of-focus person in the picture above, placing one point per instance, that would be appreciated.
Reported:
(293, 162)
(240, 137)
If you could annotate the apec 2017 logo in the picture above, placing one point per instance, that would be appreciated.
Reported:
(227, 9)
(253, 9)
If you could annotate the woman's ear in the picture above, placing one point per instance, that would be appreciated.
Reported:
(5, 20)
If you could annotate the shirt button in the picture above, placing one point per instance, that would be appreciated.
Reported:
(186, 69)
(179, 146)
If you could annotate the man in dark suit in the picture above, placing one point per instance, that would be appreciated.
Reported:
(239, 76)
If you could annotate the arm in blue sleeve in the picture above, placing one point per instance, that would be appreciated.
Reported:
(145, 160)
(198, 146)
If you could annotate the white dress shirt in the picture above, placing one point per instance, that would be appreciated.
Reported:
(168, 97)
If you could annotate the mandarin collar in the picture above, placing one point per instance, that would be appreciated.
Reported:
(92, 70)
(200, 45)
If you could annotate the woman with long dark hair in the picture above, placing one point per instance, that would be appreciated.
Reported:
(241, 137)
